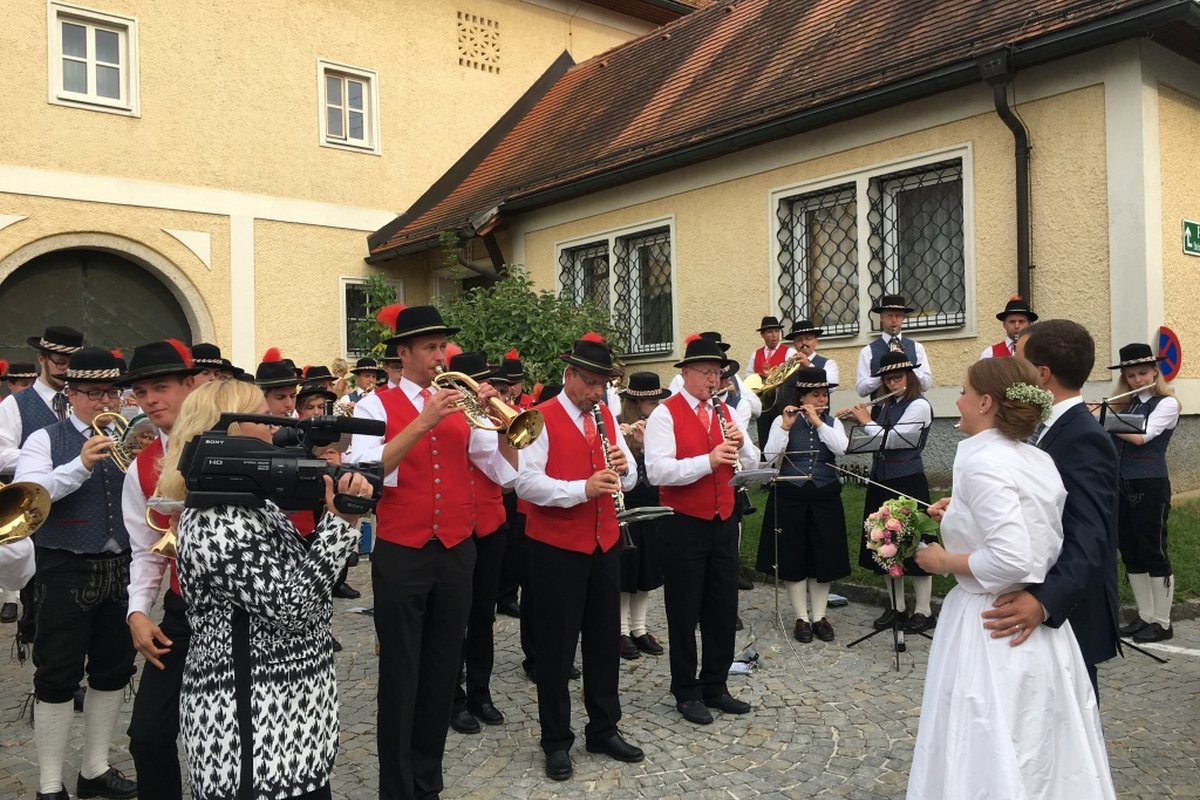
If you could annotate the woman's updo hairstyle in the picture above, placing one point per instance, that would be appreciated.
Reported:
(1016, 417)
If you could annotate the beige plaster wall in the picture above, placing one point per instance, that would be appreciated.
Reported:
(1178, 122)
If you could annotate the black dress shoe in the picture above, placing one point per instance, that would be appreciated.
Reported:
(1153, 633)
(8, 612)
(628, 649)
(648, 644)
(463, 722)
(616, 747)
(509, 608)
(885, 619)
(730, 705)
(803, 631)
(558, 765)
(335, 644)
(488, 713)
(110, 784)
(744, 583)
(61, 794)
(823, 630)
(919, 623)
(1126, 631)
(346, 592)
(574, 674)
(695, 711)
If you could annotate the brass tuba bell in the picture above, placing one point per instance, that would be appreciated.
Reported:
(520, 428)
(23, 509)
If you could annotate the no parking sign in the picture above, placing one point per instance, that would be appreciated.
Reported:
(1170, 353)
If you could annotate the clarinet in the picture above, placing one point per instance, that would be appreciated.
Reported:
(742, 503)
(619, 495)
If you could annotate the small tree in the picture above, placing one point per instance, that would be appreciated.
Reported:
(368, 334)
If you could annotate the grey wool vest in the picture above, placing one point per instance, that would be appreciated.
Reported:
(84, 520)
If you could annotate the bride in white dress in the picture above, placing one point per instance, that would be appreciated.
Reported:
(997, 721)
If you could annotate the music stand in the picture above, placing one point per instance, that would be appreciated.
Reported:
(1116, 422)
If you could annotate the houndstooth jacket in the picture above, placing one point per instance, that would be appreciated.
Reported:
(259, 672)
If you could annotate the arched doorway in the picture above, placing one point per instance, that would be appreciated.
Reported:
(114, 301)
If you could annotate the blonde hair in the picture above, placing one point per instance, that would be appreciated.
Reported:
(340, 367)
(1159, 388)
(199, 413)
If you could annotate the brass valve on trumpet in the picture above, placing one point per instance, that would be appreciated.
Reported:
(120, 451)
(520, 429)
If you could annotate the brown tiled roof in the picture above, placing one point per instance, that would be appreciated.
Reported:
(741, 72)
(656, 11)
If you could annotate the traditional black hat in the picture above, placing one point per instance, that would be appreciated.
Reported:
(244, 376)
(120, 357)
(21, 369)
(891, 302)
(893, 361)
(390, 352)
(701, 349)
(804, 328)
(645, 386)
(1017, 306)
(228, 366)
(207, 356)
(499, 375)
(420, 321)
(1136, 353)
(158, 360)
(593, 354)
(514, 370)
(769, 323)
(548, 392)
(58, 339)
(274, 370)
(314, 388)
(473, 364)
(812, 378)
(365, 365)
(318, 372)
(92, 365)
(714, 336)
(730, 370)
(296, 371)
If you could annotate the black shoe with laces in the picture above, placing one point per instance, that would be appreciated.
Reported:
(346, 592)
(8, 613)
(109, 784)
(1134, 627)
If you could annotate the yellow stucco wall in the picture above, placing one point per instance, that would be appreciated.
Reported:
(1178, 121)
(724, 232)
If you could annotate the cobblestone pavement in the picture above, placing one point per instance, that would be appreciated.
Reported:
(828, 721)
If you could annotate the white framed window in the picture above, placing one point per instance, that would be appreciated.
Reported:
(349, 107)
(354, 310)
(630, 273)
(92, 59)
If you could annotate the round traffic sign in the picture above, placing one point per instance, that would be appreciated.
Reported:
(1170, 353)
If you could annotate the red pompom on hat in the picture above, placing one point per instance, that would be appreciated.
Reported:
(116, 351)
(272, 355)
(185, 352)
(691, 337)
(512, 353)
(592, 336)
(3, 367)
(387, 315)
(452, 350)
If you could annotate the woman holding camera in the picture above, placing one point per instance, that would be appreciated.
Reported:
(259, 702)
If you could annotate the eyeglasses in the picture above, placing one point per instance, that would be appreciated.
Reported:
(62, 362)
(98, 394)
(707, 373)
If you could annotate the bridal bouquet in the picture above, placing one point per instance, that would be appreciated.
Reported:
(895, 531)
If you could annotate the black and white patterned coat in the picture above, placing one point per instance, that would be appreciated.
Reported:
(259, 597)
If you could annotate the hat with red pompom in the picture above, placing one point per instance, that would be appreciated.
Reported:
(514, 370)
(410, 321)
(593, 354)
(698, 348)
(275, 370)
(159, 360)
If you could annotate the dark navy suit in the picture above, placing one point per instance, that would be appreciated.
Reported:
(1082, 585)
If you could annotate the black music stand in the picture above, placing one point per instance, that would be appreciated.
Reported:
(1116, 422)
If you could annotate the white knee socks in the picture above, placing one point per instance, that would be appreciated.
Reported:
(625, 613)
(638, 602)
(895, 587)
(923, 588)
(1163, 591)
(797, 593)
(51, 727)
(1143, 595)
(100, 712)
(820, 598)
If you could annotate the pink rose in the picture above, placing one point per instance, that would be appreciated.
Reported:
(873, 517)
(894, 525)
(884, 513)
(906, 511)
(876, 534)
(895, 570)
(887, 550)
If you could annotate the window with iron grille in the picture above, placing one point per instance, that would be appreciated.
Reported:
(818, 259)
(355, 309)
(629, 274)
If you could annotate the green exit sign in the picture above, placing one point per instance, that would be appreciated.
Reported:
(1191, 238)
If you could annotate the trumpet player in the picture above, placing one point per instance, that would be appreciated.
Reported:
(161, 375)
(569, 479)
(81, 579)
(691, 458)
(424, 555)
(892, 309)
(1016, 318)
(805, 337)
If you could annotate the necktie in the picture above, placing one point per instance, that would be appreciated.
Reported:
(894, 345)
(1037, 433)
(1012, 347)
(425, 395)
(589, 428)
(702, 415)
(60, 405)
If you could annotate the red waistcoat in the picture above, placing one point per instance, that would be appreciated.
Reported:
(592, 523)
(711, 495)
(489, 502)
(305, 522)
(149, 467)
(432, 497)
(1000, 350)
(762, 364)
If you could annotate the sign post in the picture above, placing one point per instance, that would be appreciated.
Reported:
(1170, 352)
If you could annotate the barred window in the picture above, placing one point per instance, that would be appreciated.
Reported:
(818, 258)
(584, 273)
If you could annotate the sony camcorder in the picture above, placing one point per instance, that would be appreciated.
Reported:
(220, 469)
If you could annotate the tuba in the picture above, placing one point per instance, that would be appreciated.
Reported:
(23, 508)
(120, 451)
(519, 428)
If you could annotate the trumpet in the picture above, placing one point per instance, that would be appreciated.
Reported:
(165, 546)
(119, 451)
(519, 429)
(23, 508)
(846, 413)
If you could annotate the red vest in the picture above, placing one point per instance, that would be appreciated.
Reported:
(431, 497)
(762, 364)
(149, 467)
(711, 495)
(489, 502)
(525, 402)
(1000, 350)
(305, 522)
(592, 523)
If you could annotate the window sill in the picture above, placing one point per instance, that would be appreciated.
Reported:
(96, 105)
(365, 149)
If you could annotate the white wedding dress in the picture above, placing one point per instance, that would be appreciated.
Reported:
(1003, 722)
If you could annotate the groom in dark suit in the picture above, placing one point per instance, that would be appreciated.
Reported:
(1082, 584)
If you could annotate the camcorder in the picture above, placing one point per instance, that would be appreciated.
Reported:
(220, 469)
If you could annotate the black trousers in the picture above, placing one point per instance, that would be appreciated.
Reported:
(154, 724)
(516, 561)
(422, 598)
(1145, 504)
(80, 603)
(576, 594)
(479, 650)
(700, 572)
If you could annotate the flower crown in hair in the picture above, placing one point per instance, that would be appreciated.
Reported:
(1024, 393)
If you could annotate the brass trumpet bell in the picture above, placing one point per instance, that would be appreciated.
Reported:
(165, 546)
(520, 428)
(23, 509)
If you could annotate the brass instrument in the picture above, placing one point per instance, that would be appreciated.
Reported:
(344, 407)
(767, 387)
(165, 546)
(741, 497)
(23, 508)
(520, 429)
(120, 451)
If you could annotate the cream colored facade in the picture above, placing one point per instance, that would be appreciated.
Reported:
(216, 178)
(1112, 175)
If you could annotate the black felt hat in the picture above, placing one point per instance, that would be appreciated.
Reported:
(274, 370)
(1136, 353)
(473, 364)
(714, 336)
(314, 388)
(390, 351)
(811, 378)
(158, 360)
(593, 354)
(58, 339)
(893, 361)
(365, 365)
(318, 372)
(420, 321)
(549, 391)
(207, 356)
(891, 302)
(514, 370)
(804, 328)
(769, 323)
(21, 369)
(1017, 306)
(645, 386)
(92, 365)
(228, 366)
(701, 349)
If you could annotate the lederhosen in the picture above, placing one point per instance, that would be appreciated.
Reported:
(1145, 499)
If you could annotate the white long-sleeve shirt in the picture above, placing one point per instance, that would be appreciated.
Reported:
(864, 384)
(16, 564)
(788, 352)
(832, 436)
(10, 426)
(1163, 418)
(664, 468)
(749, 404)
(145, 568)
(534, 485)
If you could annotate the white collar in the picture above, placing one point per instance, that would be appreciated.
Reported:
(1061, 407)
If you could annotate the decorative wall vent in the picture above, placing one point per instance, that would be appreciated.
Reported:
(478, 43)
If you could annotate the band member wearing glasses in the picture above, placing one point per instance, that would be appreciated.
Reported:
(81, 580)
